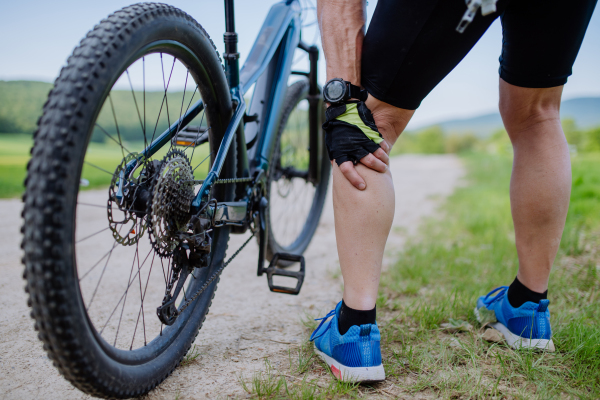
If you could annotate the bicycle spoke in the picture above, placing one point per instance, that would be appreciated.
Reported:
(163, 270)
(101, 276)
(199, 126)
(112, 107)
(104, 207)
(164, 97)
(187, 74)
(95, 265)
(136, 105)
(144, 91)
(142, 307)
(141, 298)
(167, 88)
(180, 114)
(181, 108)
(136, 255)
(121, 299)
(110, 136)
(93, 234)
(202, 162)
(101, 169)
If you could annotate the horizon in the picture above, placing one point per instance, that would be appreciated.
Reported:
(48, 36)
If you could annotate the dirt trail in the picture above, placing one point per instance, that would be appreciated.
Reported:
(246, 322)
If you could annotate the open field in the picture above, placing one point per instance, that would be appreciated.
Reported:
(100, 158)
(14, 154)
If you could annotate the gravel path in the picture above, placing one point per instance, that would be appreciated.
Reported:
(246, 322)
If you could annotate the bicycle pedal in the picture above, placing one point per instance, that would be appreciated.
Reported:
(272, 271)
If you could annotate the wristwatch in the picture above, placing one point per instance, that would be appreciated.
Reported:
(338, 91)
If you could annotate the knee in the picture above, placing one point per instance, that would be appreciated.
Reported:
(390, 120)
(522, 109)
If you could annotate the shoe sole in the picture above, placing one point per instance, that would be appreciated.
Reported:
(518, 342)
(352, 374)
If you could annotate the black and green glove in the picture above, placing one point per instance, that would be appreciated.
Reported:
(350, 132)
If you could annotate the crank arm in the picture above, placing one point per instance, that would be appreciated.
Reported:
(263, 234)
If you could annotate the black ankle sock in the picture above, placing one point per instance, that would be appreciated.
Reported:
(350, 317)
(519, 294)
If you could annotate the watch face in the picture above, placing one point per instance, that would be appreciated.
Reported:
(335, 91)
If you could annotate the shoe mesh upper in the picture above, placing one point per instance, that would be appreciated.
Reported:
(359, 347)
(529, 321)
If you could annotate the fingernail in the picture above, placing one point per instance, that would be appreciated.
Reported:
(362, 186)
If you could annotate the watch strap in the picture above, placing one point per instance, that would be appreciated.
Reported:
(356, 93)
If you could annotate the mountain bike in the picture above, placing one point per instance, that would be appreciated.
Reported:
(132, 193)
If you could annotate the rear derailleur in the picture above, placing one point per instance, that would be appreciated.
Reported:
(193, 251)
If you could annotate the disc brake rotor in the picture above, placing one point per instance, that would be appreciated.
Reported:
(129, 227)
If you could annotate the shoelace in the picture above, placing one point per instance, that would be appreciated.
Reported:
(501, 291)
(323, 320)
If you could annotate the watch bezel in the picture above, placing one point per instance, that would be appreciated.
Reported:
(337, 99)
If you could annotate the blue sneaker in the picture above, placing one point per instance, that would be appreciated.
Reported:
(525, 327)
(354, 356)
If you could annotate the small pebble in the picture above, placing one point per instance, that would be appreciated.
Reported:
(493, 335)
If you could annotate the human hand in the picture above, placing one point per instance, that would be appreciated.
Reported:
(377, 161)
(352, 137)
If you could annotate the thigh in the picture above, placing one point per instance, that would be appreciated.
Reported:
(411, 45)
(541, 39)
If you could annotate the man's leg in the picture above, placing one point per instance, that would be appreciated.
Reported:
(363, 198)
(539, 195)
(363, 218)
(540, 186)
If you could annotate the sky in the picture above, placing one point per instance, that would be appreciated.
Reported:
(38, 36)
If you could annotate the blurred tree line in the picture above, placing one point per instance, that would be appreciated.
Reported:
(434, 140)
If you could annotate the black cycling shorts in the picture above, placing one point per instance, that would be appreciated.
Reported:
(411, 45)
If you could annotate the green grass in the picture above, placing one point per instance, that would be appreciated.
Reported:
(458, 256)
(14, 155)
(470, 251)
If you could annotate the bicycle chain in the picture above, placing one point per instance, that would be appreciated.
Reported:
(210, 280)
(222, 181)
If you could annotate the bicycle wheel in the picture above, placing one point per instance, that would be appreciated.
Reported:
(295, 204)
(98, 262)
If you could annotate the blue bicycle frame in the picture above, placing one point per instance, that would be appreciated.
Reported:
(268, 67)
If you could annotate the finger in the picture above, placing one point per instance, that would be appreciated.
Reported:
(353, 177)
(374, 163)
(385, 146)
(382, 155)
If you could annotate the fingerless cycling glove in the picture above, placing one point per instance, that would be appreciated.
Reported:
(350, 132)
